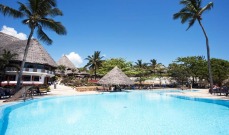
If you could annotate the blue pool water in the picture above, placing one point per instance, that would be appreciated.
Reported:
(121, 113)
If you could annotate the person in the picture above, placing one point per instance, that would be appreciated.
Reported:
(38, 90)
(54, 85)
(214, 89)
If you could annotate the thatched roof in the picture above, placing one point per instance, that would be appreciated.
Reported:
(115, 77)
(36, 54)
(66, 62)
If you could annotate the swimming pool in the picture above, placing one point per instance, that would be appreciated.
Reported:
(120, 113)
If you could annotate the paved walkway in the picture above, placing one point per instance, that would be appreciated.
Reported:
(65, 90)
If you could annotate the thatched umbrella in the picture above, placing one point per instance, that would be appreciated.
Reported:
(36, 54)
(115, 77)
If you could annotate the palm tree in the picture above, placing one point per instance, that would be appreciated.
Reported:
(5, 62)
(62, 69)
(153, 65)
(94, 62)
(35, 15)
(160, 70)
(191, 12)
(141, 67)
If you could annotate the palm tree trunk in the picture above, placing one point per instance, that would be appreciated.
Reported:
(95, 73)
(208, 57)
(2, 77)
(24, 59)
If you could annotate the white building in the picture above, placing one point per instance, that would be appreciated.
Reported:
(39, 66)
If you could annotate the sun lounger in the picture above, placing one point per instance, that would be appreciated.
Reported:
(39, 92)
(221, 91)
(6, 92)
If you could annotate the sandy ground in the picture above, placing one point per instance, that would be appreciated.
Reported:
(62, 90)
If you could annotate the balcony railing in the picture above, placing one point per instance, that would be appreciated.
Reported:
(31, 70)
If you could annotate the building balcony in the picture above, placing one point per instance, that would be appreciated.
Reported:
(31, 70)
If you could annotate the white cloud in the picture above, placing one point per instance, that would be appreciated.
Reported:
(104, 55)
(75, 58)
(13, 32)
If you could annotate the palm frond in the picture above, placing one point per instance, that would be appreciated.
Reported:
(53, 25)
(185, 2)
(88, 58)
(191, 23)
(25, 21)
(14, 65)
(42, 36)
(195, 4)
(55, 12)
(209, 6)
(183, 16)
(10, 11)
(24, 8)
(191, 11)
(49, 2)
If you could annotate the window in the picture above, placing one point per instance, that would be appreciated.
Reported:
(47, 67)
(26, 78)
(39, 66)
(36, 78)
(12, 77)
(28, 65)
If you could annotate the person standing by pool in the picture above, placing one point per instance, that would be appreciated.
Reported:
(54, 85)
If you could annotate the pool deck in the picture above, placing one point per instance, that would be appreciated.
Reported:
(201, 93)
(62, 90)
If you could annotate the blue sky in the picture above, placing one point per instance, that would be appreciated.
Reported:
(133, 30)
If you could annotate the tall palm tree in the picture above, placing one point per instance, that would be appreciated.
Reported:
(62, 70)
(5, 62)
(141, 67)
(192, 12)
(153, 65)
(94, 62)
(35, 15)
(160, 70)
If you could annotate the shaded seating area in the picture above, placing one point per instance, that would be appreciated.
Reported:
(114, 79)
(220, 91)
(36, 91)
(25, 92)
(6, 92)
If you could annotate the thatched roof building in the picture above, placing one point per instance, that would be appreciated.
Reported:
(115, 77)
(70, 67)
(66, 62)
(36, 54)
(39, 66)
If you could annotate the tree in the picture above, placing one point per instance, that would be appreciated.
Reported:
(36, 14)
(94, 62)
(178, 72)
(160, 68)
(153, 65)
(142, 70)
(220, 70)
(62, 69)
(5, 62)
(196, 66)
(191, 12)
(121, 63)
